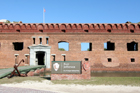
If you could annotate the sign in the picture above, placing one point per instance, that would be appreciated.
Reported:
(66, 67)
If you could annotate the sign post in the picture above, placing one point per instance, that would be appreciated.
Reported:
(70, 70)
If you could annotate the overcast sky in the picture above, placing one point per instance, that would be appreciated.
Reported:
(71, 11)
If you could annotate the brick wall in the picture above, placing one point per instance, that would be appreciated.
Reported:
(74, 34)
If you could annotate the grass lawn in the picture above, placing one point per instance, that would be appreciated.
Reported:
(134, 81)
(19, 79)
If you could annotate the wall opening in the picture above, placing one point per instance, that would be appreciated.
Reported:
(41, 30)
(133, 46)
(33, 40)
(64, 56)
(63, 46)
(18, 30)
(40, 39)
(40, 58)
(18, 46)
(132, 31)
(109, 60)
(63, 30)
(86, 46)
(108, 46)
(86, 59)
(53, 57)
(86, 30)
(47, 40)
(132, 59)
(109, 30)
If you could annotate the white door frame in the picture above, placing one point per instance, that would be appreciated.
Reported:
(42, 48)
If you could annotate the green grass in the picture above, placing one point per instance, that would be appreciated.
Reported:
(133, 81)
(20, 79)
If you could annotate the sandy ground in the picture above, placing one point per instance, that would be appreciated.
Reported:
(72, 88)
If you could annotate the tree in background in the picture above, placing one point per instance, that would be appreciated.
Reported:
(61, 49)
(7, 21)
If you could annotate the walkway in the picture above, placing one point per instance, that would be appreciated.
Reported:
(4, 89)
(6, 72)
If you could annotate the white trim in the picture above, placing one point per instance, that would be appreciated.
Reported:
(40, 37)
(33, 36)
(47, 37)
(16, 54)
(63, 54)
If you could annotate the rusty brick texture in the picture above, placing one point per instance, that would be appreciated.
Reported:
(74, 34)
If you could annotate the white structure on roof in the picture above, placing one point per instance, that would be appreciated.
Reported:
(3, 20)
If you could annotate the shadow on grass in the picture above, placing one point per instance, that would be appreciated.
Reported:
(48, 78)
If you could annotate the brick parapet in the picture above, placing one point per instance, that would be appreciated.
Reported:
(68, 28)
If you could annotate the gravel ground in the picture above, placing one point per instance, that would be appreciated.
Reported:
(4, 89)
(72, 88)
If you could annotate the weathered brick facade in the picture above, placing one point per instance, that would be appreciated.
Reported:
(74, 34)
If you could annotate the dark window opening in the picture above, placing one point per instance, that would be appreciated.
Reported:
(63, 30)
(133, 46)
(54, 58)
(86, 46)
(47, 40)
(41, 30)
(33, 40)
(109, 46)
(86, 30)
(109, 60)
(40, 59)
(86, 59)
(132, 31)
(18, 30)
(40, 40)
(109, 30)
(63, 46)
(132, 60)
(64, 58)
(18, 46)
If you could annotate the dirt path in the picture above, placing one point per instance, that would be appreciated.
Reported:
(4, 89)
(49, 86)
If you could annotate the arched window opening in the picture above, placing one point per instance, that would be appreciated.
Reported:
(63, 46)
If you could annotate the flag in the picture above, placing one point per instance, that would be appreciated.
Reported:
(44, 10)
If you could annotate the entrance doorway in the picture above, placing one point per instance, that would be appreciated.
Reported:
(40, 60)
(36, 52)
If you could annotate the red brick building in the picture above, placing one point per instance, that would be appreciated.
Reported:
(38, 44)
